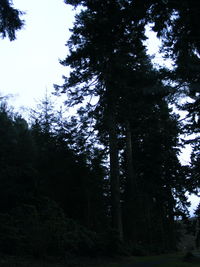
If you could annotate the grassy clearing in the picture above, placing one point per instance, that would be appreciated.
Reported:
(170, 260)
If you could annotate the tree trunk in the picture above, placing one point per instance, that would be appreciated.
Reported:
(131, 181)
(114, 173)
(131, 200)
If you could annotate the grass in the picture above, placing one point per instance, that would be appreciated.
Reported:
(172, 260)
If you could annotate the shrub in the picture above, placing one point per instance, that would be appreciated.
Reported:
(9, 235)
(41, 229)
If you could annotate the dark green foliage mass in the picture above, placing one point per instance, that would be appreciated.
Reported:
(48, 194)
(17, 154)
(10, 20)
(108, 60)
(196, 226)
(159, 178)
(107, 180)
(177, 24)
(41, 229)
(64, 174)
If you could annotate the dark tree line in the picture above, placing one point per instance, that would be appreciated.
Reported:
(109, 179)
(109, 60)
(41, 175)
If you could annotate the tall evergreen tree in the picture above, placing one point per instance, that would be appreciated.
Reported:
(65, 175)
(160, 180)
(177, 25)
(108, 60)
(105, 48)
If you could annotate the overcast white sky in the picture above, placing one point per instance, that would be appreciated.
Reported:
(30, 64)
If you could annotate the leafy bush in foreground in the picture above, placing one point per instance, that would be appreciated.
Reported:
(41, 229)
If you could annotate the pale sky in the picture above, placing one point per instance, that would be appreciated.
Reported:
(30, 64)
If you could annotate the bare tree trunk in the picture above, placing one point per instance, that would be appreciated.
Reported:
(131, 182)
(131, 190)
(114, 173)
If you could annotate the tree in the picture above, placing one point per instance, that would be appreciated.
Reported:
(66, 174)
(156, 174)
(10, 20)
(108, 60)
(197, 232)
(177, 26)
(105, 46)
(39, 174)
(16, 160)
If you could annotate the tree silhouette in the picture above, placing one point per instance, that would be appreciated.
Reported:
(10, 21)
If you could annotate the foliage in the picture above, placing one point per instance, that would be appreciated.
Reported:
(108, 60)
(10, 20)
(55, 195)
(39, 175)
(177, 25)
(41, 229)
(9, 235)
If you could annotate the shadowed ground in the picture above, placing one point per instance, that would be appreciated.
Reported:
(171, 260)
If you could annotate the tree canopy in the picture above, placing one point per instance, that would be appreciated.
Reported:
(10, 20)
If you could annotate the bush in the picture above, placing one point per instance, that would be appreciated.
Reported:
(109, 244)
(78, 239)
(41, 229)
(9, 235)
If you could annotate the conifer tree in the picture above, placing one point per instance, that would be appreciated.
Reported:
(17, 157)
(67, 174)
(108, 60)
(105, 50)
(177, 24)
(10, 20)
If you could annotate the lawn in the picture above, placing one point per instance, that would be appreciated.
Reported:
(167, 260)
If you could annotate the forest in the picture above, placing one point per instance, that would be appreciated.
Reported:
(107, 180)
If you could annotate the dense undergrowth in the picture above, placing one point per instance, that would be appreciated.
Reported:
(41, 229)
